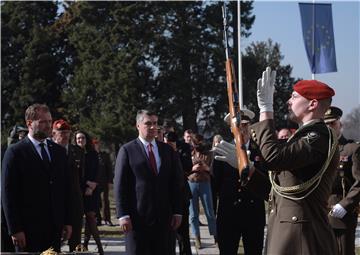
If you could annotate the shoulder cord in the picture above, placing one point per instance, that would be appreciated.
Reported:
(291, 191)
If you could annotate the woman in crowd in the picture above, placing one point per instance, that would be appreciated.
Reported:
(200, 185)
(90, 190)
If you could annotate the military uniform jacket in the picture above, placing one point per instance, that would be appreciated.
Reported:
(346, 188)
(298, 227)
(232, 197)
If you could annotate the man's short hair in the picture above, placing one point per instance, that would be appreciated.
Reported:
(141, 113)
(31, 112)
(189, 131)
(324, 105)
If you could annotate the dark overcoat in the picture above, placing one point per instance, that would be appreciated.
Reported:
(35, 197)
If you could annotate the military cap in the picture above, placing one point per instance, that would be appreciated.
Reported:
(61, 125)
(16, 130)
(313, 89)
(332, 114)
(246, 115)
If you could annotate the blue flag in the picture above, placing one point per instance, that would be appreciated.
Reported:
(318, 34)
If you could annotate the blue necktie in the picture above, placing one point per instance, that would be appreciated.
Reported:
(44, 155)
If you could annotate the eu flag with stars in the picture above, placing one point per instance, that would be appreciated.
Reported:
(317, 28)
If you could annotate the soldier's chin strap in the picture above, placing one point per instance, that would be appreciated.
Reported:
(310, 185)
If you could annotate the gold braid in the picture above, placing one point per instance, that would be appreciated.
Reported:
(291, 191)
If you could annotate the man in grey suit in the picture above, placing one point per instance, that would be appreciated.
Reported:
(34, 185)
(148, 190)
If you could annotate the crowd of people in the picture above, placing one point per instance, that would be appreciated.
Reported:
(308, 176)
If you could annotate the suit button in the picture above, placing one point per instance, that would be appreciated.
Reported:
(239, 200)
(51, 182)
(294, 218)
(239, 190)
(251, 201)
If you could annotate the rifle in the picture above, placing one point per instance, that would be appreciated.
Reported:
(234, 107)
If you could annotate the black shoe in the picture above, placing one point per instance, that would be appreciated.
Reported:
(202, 224)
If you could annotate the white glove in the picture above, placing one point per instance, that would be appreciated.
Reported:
(227, 119)
(338, 211)
(227, 153)
(265, 90)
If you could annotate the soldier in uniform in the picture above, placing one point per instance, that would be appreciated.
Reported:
(61, 135)
(301, 171)
(241, 214)
(345, 197)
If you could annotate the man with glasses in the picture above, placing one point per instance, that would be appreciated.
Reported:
(345, 197)
(148, 190)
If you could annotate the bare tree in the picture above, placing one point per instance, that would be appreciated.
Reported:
(351, 124)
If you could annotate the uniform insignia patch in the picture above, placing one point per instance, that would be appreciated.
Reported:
(312, 137)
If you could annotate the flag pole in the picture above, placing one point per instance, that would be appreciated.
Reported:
(313, 36)
(239, 55)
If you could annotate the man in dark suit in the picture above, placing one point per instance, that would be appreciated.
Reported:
(34, 187)
(61, 135)
(148, 186)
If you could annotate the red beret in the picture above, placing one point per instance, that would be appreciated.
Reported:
(61, 125)
(313, 89)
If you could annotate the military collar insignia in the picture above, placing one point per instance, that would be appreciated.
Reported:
(312, 137)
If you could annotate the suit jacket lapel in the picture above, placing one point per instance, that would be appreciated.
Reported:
(161, 152)
(33, 150)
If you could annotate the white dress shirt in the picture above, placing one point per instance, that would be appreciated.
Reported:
(37, 146)
(155, 151)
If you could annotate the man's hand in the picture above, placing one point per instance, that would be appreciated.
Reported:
(227, 153)
(265, 90)
(176, 221)
(67, 231)
(125, 225)
(19, 240)
(91, 184)
(338, 211)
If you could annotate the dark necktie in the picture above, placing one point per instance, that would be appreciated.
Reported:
(44, 154)
(152, 158)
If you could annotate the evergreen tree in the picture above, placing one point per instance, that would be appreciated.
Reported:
(108, 82)
(29, 60)
(256, 58)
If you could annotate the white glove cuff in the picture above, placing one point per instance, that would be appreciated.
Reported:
(267, 108)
